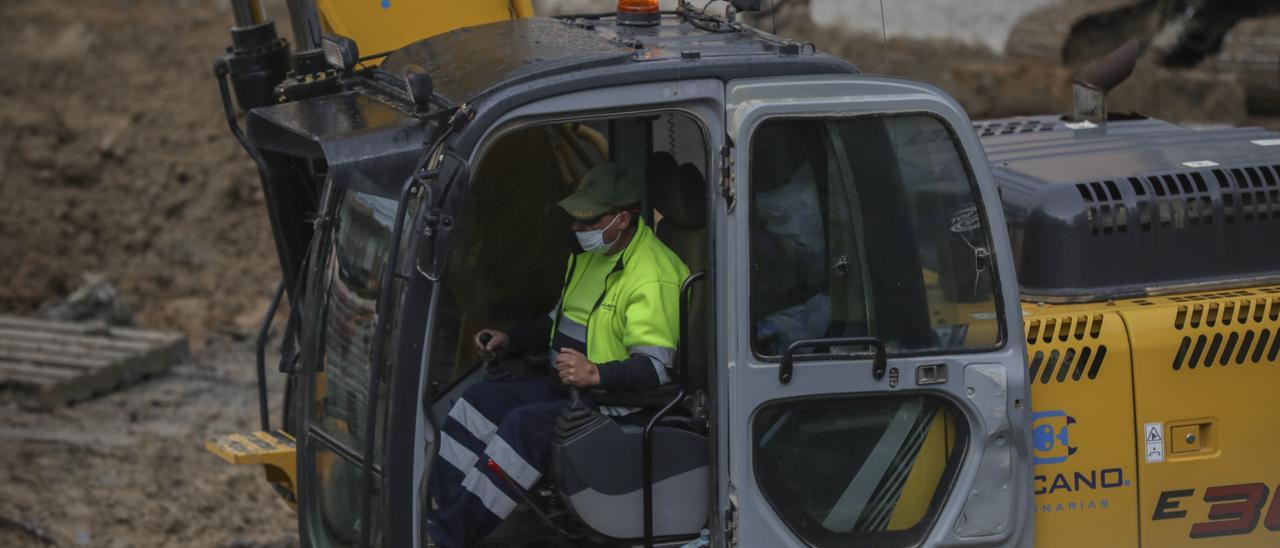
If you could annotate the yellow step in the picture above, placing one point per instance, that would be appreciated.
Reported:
(275, 451)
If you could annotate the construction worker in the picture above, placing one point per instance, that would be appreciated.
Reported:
(614, 330)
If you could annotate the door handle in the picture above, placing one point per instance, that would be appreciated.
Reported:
(878, 359)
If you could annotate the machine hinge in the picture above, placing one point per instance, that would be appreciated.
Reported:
(321, 222)
(730, 523)
(726, 175)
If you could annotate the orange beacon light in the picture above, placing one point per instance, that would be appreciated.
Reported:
(639, 13)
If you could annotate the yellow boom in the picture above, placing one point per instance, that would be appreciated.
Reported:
(384, 25)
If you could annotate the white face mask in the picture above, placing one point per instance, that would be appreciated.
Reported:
(592, 241)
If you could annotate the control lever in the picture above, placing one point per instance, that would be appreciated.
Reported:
(575, 399)
(484, 343)
(487, 357)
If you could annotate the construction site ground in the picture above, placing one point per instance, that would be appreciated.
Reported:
(115, 159)
(129, 469)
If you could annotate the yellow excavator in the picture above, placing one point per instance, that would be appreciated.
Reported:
(903, 327)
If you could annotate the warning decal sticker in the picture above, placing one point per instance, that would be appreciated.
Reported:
(1153, 441)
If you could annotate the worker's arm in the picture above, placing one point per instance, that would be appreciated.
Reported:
(651, 320)
(634, 374)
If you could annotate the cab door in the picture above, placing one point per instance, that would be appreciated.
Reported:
(875, 395)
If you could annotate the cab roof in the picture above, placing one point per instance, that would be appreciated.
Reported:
(471, 63)
(499, 66)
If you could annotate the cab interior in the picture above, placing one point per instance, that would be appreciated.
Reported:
(507, 265)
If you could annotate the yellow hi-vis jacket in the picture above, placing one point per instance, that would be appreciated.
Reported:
(638, 310)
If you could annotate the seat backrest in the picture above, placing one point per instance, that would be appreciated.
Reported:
(683, 204)
(662, 167)
(682, 201)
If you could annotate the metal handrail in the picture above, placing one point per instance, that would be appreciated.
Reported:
(682, 362)
(878, 359)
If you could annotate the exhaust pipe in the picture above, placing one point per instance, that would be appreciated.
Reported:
(1093, 83)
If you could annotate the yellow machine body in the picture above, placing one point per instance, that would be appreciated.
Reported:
(275, 451)
(1152, 420)
(385, 25)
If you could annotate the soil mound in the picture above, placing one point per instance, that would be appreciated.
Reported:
(115, 159)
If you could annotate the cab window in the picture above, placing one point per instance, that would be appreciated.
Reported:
(848, 471)
(867, 227)
(357, 254)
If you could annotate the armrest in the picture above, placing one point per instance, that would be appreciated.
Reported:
(655, 398)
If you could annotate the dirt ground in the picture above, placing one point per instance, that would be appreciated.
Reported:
(129, 469)
(115, 159)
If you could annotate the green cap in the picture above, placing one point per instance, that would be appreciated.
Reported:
(605, 187)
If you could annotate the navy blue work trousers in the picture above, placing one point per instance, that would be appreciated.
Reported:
(508, 423)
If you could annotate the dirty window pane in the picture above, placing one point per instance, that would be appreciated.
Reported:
(338, 501)
(867, 226)
(847, 471)
(361, 247)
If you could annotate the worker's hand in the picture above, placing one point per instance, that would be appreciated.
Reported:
(576, 369)
(497, 341)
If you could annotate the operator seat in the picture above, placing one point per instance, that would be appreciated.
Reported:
(597, 462)
(683, 204)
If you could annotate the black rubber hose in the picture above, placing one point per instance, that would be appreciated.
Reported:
(263, 333)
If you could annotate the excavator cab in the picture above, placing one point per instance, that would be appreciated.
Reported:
(848, 369)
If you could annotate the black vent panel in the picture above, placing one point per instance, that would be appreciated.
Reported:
(1124, 237)
(1013, 127)
(1249, 193)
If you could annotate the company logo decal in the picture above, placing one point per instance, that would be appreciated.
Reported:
(1051, 437)
(1059, 490)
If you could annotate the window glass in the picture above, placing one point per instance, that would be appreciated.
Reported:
(361, 240)
(358, 253)
(338, 496)
(867, 226)
(845, 471)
